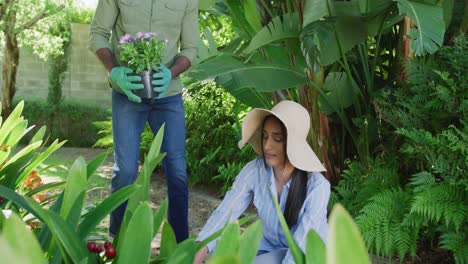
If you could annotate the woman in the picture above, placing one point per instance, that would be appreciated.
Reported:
(288, 167)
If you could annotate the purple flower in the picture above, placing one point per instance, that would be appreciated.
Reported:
(145, 36)
(127, 38)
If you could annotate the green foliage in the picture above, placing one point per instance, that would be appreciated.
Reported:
(428, 149)
(60, 230)
(381, 222)
(71, 121)
(38, 37)
(359, 183)
(142, 51)
(213, 130)
(16, 164)
(81, 15)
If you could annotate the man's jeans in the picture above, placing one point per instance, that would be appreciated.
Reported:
(128, 121)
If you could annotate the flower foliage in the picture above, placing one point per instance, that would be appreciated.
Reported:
(142, 51)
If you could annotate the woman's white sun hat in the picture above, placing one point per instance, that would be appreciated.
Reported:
(297, 122)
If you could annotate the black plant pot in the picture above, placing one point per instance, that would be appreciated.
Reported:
(147, 92)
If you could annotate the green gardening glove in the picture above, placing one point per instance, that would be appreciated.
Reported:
(125, 82)
(161, 79)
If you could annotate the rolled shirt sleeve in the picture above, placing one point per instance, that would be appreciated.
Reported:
(189, 36)
(102, 25)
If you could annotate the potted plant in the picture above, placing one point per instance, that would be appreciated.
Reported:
(141, 52)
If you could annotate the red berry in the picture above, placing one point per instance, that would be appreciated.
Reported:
(110, 252)
(107, 244)
(91, 246)
(98, 249)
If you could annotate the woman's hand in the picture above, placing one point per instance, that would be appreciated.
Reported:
(200, 256)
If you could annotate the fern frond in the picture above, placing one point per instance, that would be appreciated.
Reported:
(422, 180)
(441, 203)
(455, 242)
(381, 224)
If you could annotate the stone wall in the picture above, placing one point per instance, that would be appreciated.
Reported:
(85, 78)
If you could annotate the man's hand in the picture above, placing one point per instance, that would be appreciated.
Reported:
(161, 79)
(124, 82)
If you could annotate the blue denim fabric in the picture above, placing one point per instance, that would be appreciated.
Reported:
(128, 121)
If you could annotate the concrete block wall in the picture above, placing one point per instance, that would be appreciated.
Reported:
(85, 78)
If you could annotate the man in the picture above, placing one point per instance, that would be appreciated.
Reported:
(177, 22)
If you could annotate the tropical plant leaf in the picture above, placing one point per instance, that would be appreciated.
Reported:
(205, 4)
(135, 247)
(184, 253)
(159, 216)
(315, 249)
(280, 28)
(249, 242)
(234, 84)
(228, 243)
(337, 93)
(430, 27)
(70, 242)
(76, 183)
(345, 244)
(95, 163)
(168, 241)
(22, 242)
(96, 215)
(263, 77)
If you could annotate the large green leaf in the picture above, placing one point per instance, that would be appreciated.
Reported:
(95, 216)
(345, 244)
(249, 242)
(77, 183)
(95, 163)
(263, 77)
(208, 50)
(168, 241)
(22, 242)
(337, 93)
(237, 14)
(252, 15)
(280, 28)
(350, 30)
(70, 242)
(184, 253)
(205, 4)
(159, 216)
(39, 159)
(233, 83)
(314, 10)
(13, 119)
(135, 245)
(430, 27)
(228, 243)
(315, 249)
(373, 6)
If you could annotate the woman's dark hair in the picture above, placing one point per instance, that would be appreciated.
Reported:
(297, 189)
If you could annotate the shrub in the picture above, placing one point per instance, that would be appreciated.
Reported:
(213, 120)
(72, 121)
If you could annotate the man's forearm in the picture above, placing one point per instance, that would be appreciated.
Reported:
(107, 58)
(181, 64)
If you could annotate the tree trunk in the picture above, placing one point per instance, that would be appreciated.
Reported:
(10, 67)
